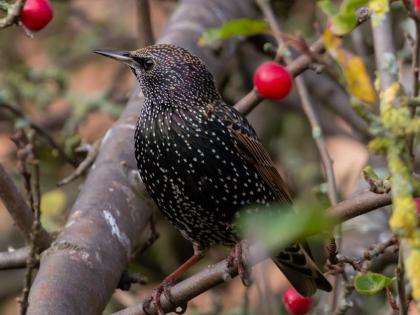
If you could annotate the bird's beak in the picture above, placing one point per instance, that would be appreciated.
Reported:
(123, 56)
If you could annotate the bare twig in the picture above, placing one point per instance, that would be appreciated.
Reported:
(41, 131)
(144, 23)
(13, 12)
(347, 303)
(299, 65)
(83, 167)
(29, 168)
(14, 259)
(400, 271)
(19, 209)
(316, 131)
(154, 235)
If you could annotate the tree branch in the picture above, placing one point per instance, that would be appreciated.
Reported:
(19, 209)
(14, 259)
(144, 23)
(299, 65)
(13, 13)
(216, 274)
(41, 131)
(82, 268)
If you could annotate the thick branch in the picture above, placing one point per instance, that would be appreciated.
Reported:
(80, 271)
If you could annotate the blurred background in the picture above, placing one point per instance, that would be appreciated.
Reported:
(55, 81)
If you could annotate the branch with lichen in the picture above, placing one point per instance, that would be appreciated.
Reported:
(396, 125)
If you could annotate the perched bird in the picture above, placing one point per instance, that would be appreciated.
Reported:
(201, 161)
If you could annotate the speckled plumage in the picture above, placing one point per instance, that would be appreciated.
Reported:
(200, 159)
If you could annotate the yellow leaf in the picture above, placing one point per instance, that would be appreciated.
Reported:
(354, 71)
(53, 202)
(331, 41)
(391, 92)
(52, 205)
(379, 8)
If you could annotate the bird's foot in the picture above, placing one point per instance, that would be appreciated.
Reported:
(236, 261)
(165, 289)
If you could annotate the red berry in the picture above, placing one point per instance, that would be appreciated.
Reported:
(417, 200)
(417, 6)
(36, 14)
(295, 303)
(272, 81)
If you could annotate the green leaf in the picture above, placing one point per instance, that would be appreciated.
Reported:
(279, 226)
(344, 19)
(237, 27)
(371, 283)
(370, 172)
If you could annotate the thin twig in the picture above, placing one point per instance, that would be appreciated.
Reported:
(299, 65)
(41, 132)
(14, 259)
(347, 302)
(400, 271)
(144, 23)
(19, 210)
(316, 129)
(83, 167)
(154, 235)
(13, 14)
(29, 168)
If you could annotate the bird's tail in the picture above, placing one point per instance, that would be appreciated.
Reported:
(297, 264)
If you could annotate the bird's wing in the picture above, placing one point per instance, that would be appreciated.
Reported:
(252, 150)
(296, 260)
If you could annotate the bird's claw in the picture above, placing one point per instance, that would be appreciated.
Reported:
(236, 261)
(163, 288)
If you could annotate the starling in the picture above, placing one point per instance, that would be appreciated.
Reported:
(200, 159)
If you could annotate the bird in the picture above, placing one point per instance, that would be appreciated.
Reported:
(202, 162)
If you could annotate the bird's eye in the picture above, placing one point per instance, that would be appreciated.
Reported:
(146, 63)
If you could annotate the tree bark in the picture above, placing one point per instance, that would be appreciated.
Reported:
(81, 269)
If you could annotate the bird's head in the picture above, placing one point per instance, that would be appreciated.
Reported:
(167, 72)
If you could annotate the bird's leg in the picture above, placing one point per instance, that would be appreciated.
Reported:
(235, 260)
(168, 282)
